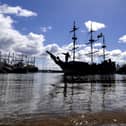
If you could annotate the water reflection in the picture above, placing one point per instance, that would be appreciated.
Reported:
(15, 92)
(85, 92)
(49, 93)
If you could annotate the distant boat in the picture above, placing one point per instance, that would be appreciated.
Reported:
(18, 65)
(23, 68)
(83, 68)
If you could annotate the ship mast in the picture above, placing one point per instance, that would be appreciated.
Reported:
(91, 41)
(74, 38)
(104, 46)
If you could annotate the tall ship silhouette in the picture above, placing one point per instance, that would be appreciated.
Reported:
(74, 67)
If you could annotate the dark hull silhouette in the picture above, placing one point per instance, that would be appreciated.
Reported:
(21, 68)
(83, 68)
(17, 68)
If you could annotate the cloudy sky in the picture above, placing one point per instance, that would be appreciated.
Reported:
(32, 27)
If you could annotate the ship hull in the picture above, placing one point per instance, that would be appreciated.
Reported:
(74, 68)
(83, 68)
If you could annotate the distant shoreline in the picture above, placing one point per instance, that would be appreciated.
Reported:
(51, 71)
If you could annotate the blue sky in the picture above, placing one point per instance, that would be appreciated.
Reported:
(60, 15)
(51, 21)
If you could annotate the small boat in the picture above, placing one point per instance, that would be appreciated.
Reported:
(84, 68)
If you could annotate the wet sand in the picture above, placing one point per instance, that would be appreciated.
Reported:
(86, 119)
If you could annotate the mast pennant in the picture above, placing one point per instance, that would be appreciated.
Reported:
(100, 35)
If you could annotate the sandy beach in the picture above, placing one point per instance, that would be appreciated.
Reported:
(86, 119)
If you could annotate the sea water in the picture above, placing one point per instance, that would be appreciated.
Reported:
(35, 94)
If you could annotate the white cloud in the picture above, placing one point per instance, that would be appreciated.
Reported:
(45, 29)
(29, 44)
(123, 54)
(5, 22)
(117, 55)
(98, 44)
(13, 40)
(122, 39)
(6, 9)
(54, 48)
(95, 25)
(116, 52)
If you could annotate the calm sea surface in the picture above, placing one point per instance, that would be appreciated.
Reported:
(53, 94)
